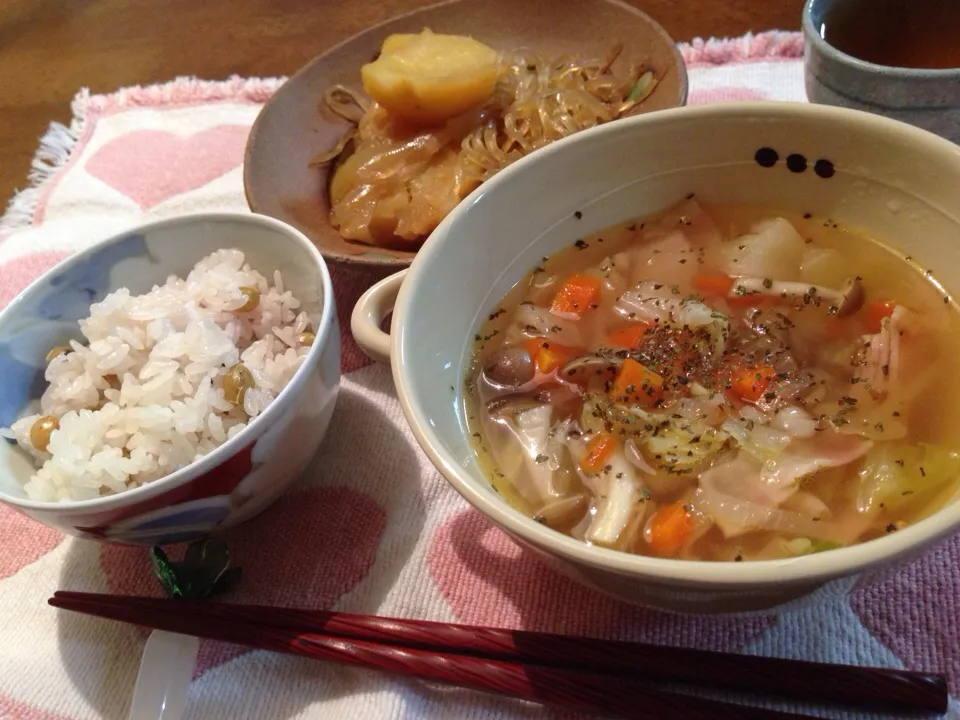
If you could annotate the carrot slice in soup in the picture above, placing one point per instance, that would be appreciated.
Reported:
(577, 295)
(752, 383)
(628, 337)
(550, 356)
(877, 311)
(836, 328)
(598, 452)
(712, 283)
(668, 530)
(636, 385)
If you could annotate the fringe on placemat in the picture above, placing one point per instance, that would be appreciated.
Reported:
(55, 148)
(182, 91)
(769, 45)
(58, 143)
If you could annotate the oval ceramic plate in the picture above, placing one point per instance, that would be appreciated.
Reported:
(292, 129)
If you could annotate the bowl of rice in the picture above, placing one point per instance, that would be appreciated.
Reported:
(169, 381)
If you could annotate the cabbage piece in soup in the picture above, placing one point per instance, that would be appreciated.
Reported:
(721, 383)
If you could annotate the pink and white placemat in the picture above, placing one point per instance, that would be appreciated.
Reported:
(375, 530)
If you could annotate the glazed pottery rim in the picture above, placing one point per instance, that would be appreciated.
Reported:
(813, 37)
(817, 567)
(372, 258)
(253, 429)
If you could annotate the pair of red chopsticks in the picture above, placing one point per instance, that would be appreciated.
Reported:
(601, 676)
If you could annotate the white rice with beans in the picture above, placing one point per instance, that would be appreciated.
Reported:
(161, 379)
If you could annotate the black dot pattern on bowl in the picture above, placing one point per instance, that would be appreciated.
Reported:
(823, 168)
(766, 157)
(796, 163)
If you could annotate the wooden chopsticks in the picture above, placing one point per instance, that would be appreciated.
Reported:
(587, 674)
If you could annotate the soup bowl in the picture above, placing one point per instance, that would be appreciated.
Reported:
(892, 180)
(240, 477)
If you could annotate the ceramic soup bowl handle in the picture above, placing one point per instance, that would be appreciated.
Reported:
(368, 314)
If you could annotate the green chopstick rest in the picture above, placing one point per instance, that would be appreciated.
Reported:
(205, 570)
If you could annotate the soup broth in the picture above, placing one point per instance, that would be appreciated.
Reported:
(721, 383)
(897, 33)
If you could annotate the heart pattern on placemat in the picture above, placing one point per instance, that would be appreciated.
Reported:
(308, 550)
(21, 271)
(913, 611)
(489, 580)
(24, 541)
(10, 709)
(150, 166)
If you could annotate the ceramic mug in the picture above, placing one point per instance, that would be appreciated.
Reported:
(929, 99)
(896, 182)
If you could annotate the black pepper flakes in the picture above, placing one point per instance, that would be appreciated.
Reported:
(577, 214)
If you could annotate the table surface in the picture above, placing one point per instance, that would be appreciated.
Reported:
(51, 48)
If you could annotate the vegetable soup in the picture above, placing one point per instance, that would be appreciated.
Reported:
(721, 383)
